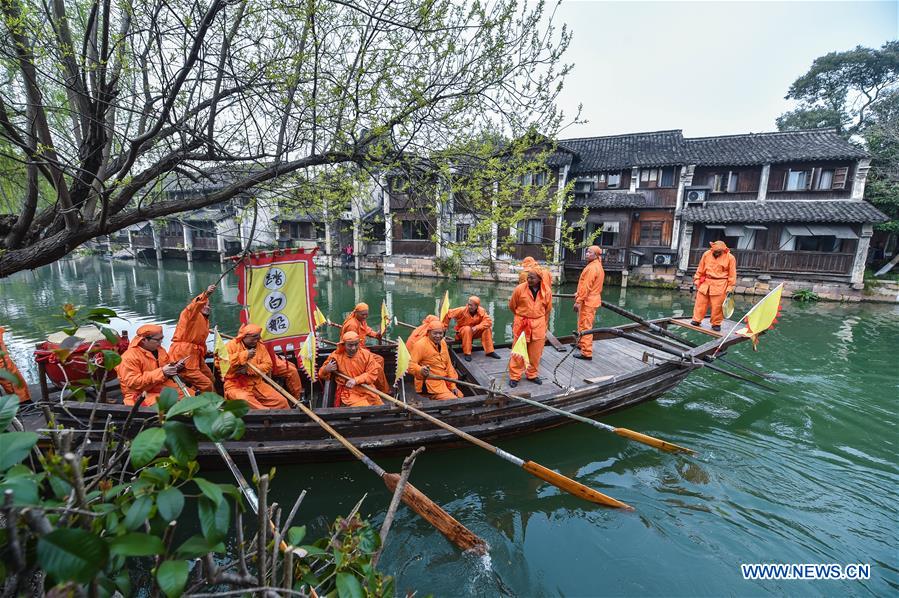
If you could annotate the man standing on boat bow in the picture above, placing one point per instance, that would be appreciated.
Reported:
(472, 322)
(588, 298)
(146, 367)
(352, 359)
(430, 355)
(530, 304)
(715, 277)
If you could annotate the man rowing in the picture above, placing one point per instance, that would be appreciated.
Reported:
(243, 382)
(588, 298)
(430, 355)
(357, 321)
(146, 367)
(472, 322)
(715, 277)
(352, 359)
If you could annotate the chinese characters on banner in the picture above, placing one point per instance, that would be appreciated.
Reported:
(277, 289)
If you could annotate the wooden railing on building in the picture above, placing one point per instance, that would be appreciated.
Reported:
(614, 259)
(799, 262)
(142, 240)
(206, 243)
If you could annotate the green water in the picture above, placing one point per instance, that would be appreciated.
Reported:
(807, 476)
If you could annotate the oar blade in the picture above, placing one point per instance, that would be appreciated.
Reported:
(572, 487)
(653, 442)
(431, 512)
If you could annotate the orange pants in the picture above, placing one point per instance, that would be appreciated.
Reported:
(281, 368)
(585, 319)
(381, 382)
(257, 393)
(701, 307)
(152, 397)
(516, 363)
(195, 373)
(467, 334)
(439, 390)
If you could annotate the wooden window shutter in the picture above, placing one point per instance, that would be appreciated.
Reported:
(839, 178)
(666, 232)
(635, 233)
(777, 180)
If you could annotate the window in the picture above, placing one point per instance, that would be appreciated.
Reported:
(614, 180)
(583, 186)
(462, 231)
(320, 230)
(533, 178)
(824, 243)
(732, 182)
(649, 177)
(651, 232)
(415, 230)
(608, 239)
(825, 180)
(530, 232)
(798, 180)
(204, 230)
(667, 177)
(723, 182)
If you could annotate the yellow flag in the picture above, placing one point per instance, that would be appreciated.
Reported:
(222, 360)
(762, 316)
(308, 355)
(521, 348)
(319, 317)
(385, 317)
(444, 307)
(402, 358)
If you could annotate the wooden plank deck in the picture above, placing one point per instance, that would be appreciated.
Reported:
(705, 326)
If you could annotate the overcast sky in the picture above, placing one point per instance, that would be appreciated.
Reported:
(709, 68)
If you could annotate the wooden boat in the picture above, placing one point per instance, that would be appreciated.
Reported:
(624, 373)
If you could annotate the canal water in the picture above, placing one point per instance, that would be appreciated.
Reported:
(805, 476)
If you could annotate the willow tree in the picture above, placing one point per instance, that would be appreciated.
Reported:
(103, 104)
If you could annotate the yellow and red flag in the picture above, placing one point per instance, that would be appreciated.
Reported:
(520, 348)
(760, 318)
(402, 358)
(385, 317)
(222, 359)
(308, 354)
(444, 306)
(319, 317)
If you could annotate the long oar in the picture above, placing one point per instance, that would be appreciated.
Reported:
(667, 333)
(624, 432)
(242, 483)
(556, 479)
(427, 509)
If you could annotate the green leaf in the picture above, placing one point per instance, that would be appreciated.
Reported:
(100, 314)
(239, 430)
(14, 446)
(295, 535)
(136, 544)
(9, 405)
(169, 503)
(146, 446)
(189, 404)
(314, 550)
(167, 398)
(158, 475)
(9, 376)
(236, 406)
(25, 490)
(224, 426)
(348, 586)
(171, 577)
(110, 335)
(197, 546)
(60, 487)
(110, 360)
(209, 490)
(204, 418)
(71, 554)
(180, 441)
(123, 583)
(138, 512)
(214, 519)
(369, 540)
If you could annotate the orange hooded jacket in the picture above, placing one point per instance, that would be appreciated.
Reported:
(715, 275)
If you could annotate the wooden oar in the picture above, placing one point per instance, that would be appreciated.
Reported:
(556, 479)
(395, 321)
(427, 509)
(624, 432)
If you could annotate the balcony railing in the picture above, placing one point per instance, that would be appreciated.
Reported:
(206, 243)
(142, 240)
(613, 258)
(820, 262)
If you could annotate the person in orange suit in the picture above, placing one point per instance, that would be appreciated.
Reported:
(546, 277)
(715, 277)
(530, 303)
(6, 363)
(147, 368)
(588, 298)
(472, 322)
(357, 321)
(430, 355)
(241, 381)
(421, 331)
(281, 368)
(352, 359)
(189, 342)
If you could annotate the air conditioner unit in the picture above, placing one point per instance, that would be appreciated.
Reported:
(696, 196)
(663, 259)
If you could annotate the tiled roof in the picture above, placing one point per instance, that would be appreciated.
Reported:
(612, 199)
(721, 212)
(761, 148)
(593, 154)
